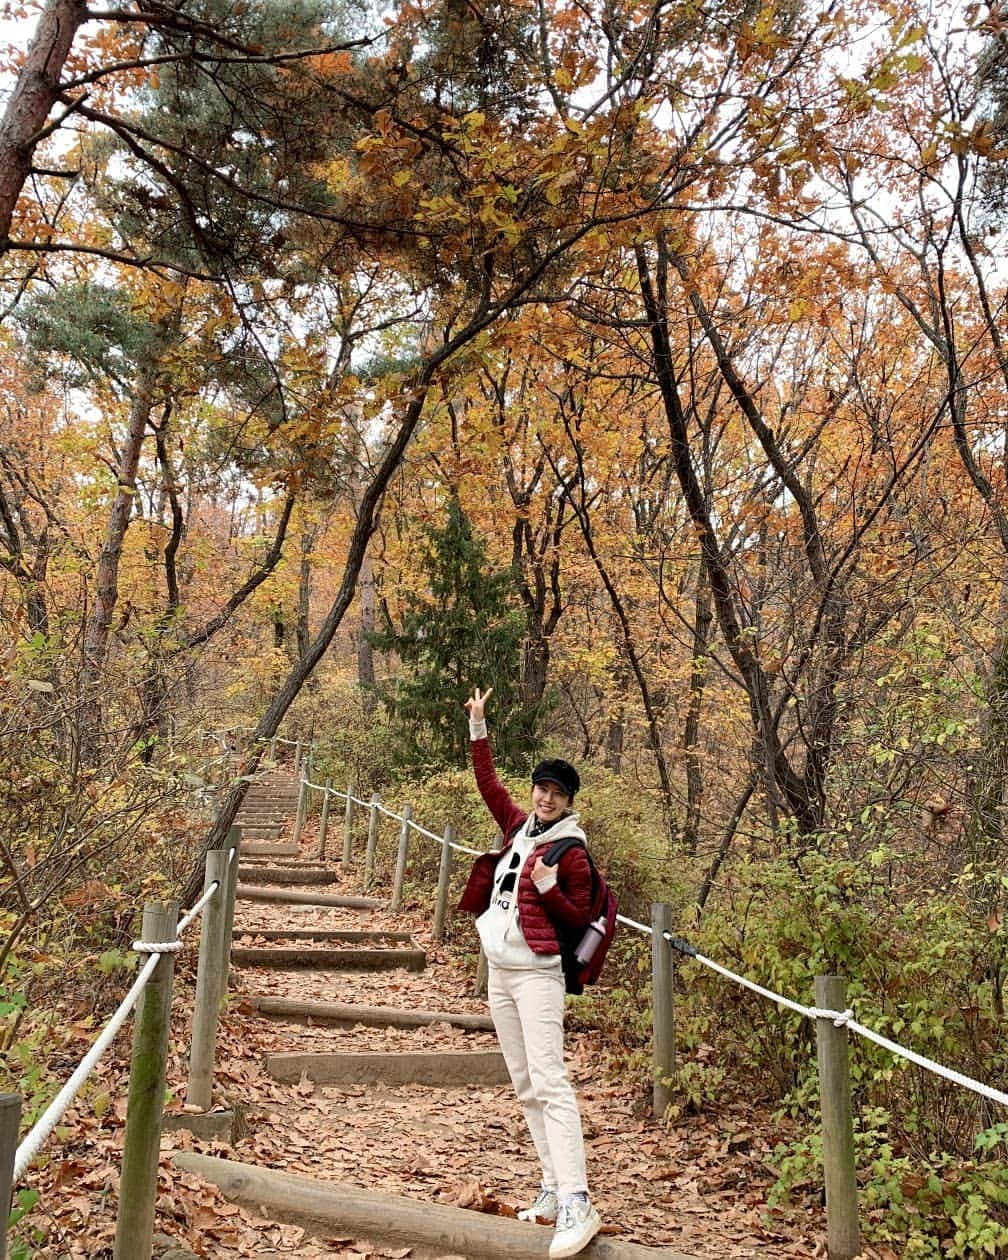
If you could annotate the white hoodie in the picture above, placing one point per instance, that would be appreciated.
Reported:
(499, 926)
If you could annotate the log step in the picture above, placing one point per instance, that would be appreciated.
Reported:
(328, 1208)
(344, 1015)
(255, 849)
(462, 1069)
(299, 897)
(352, 935)
(287, 875)
(331, 959)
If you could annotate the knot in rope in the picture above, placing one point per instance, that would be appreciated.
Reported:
(840, 1018)
(157, 947)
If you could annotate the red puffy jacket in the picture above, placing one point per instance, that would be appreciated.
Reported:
(567, 902)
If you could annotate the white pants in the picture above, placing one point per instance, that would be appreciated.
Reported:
(527, 1007)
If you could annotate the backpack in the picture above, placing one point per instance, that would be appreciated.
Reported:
(603, 912)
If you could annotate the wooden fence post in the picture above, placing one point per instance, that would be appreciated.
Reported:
(372, 841)
(348, 826)
(842, 1233)
(323, 828)
(134, 1237)
(10, 1120)
(233, 842)
(663, 1008)
(297, 757)
(272, 749)
(401, 855)
(209, 985)
(444, 878)
(302, 809)
(482, 969)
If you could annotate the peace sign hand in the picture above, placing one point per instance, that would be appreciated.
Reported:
(476, 702)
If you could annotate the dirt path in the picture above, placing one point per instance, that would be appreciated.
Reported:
(698, 1186)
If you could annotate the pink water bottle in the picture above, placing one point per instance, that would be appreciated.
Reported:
(591, 940)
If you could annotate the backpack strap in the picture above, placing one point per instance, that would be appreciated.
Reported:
(558, 848)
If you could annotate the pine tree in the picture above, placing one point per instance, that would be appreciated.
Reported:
(465, 629)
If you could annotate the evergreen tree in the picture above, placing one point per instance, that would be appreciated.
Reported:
(464, 629)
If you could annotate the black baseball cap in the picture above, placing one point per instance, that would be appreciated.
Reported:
(556, 770)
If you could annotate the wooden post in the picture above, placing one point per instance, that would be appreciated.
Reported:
(10, 1120)
(302, 809)
(348, 826)
(134, 1237)
(444, 878)
(297, 757)
(482, 970)
(324, 820)
(272, 749)
(372, 842)
(842, 1233)
(233, 842)
(401, 855)
(209, 985)
(663, 1008)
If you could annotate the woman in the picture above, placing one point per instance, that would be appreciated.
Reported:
(519, 901)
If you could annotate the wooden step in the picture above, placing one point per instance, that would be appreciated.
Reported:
(456, 1069)
(299, 897)
(330, 959)
(356, 936)
(256, 849)
(287, 875)
(344, 1015)
(388, 1220)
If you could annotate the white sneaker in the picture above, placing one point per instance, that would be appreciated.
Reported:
(577, 1224)
(544, 1210)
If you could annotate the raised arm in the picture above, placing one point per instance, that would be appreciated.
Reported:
(506, 814)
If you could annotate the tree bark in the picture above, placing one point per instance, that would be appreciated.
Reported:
(35, 92)
(106, 593)
(365, 652)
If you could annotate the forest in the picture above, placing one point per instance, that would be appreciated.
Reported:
(644, 359)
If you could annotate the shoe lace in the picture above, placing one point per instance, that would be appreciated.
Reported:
(565, 1216)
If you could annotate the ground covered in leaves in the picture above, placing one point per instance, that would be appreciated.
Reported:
(697, 1184)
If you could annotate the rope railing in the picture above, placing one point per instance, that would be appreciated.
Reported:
(841, 1019)
(328, 789)
(36, 1137)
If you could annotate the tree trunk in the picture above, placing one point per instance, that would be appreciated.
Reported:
(365, 652)
(703, 619)
(35, 92)
(304, 593)
(106, 595)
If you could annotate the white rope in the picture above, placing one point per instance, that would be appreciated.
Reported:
(424, 832)
(194, 912)
(641, 927)
(845, 1019)
(39, 1133)
(52, 1115)
(387, 812)
(957, 1078)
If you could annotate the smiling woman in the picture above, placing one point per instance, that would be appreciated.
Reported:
(523, 904)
